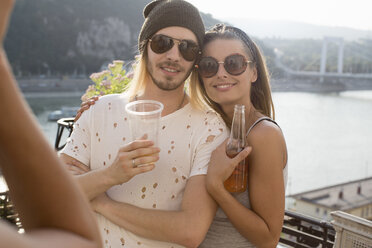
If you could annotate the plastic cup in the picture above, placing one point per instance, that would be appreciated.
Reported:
(144, 117)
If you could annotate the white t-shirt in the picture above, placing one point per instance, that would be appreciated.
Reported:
(186, 139)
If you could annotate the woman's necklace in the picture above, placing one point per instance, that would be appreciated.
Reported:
(179, 106)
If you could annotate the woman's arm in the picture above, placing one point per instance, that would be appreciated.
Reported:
(51, 206)
(261, 224)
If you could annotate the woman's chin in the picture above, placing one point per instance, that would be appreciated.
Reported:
(225, 101)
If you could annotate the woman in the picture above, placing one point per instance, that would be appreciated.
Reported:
(232, 71)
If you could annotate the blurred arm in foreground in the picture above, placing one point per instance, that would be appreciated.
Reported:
(53, 211)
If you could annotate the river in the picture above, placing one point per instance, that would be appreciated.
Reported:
(329, 136)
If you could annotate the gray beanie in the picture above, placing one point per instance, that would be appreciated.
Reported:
(165, 13)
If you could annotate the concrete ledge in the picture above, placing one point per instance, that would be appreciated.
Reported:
(351, 231)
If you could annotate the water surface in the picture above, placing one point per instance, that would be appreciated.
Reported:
(329, 136)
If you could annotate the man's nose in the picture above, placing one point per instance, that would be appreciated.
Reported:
(174, 53)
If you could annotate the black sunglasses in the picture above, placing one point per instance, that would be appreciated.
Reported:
(161, 43)
(234, 64)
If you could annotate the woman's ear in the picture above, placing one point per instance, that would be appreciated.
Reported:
(254, 75)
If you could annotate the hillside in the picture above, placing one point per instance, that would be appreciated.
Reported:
(51, 37)
(76, 37)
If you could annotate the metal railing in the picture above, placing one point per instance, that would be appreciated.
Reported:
(64, 123)
(298, 230)
(304, 231)
(7, 211)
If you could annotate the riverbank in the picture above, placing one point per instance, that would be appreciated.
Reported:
(57, 85)
(314, 85)
(37, 87)
(53, 94)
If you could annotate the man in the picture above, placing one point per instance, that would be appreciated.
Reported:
(51, 207)
(161, 205)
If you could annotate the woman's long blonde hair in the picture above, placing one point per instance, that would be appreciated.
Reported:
(260, 90)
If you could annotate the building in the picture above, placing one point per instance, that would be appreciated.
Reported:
(353, 197)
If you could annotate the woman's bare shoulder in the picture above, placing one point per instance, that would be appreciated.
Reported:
(265, 131)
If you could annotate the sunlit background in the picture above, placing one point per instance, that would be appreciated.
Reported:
(338, 13)
(53, 47)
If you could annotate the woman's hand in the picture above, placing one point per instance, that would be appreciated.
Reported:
(221, 166)
(132, 159)
(85, 105)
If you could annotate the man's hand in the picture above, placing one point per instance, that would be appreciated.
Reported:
(5, 10)
(85, 106)
(134, 158)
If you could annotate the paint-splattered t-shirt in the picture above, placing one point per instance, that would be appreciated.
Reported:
(186, 139)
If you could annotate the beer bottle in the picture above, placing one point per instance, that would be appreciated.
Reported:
(237, 182)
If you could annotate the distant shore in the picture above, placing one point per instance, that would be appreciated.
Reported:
(40, 85)
(53, 94)
(316, 86)
(37, 87)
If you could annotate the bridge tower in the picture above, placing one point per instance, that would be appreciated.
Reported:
(340, 42)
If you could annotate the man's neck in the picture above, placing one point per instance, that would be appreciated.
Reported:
(172, 100)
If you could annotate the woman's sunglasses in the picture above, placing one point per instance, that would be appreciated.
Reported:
(234, 64)
(160, 43)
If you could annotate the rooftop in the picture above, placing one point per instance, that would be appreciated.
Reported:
(343, 196)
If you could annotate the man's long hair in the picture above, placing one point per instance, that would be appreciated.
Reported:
(140, 76)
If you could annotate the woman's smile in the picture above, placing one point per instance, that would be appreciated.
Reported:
(224, 86)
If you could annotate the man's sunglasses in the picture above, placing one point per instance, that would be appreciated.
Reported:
(160, 43)
(234, 64)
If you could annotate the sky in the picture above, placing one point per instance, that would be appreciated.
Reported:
(344, 13)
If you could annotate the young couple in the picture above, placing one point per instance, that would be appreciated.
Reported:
(178, 198)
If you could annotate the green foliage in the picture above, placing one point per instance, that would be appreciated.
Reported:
(114, 80)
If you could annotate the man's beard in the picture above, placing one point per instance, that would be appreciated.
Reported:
(167, 83)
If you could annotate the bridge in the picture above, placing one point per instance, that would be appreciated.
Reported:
(322, 74)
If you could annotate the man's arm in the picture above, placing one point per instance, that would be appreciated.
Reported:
(186, 227)
(95, 182)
